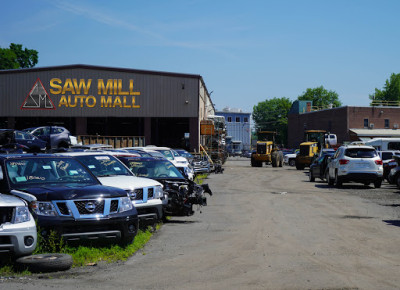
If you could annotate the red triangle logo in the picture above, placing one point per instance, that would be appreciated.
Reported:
(38, 98)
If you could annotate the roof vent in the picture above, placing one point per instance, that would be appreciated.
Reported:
(371, 126)
(395, 126)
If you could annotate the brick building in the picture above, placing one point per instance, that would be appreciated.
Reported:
(348, 123)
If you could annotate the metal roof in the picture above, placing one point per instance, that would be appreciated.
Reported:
(376, 132)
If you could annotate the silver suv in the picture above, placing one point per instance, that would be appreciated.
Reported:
(355, 163)
(17, 226)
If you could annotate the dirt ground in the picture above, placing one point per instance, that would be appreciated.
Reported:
(264, 228)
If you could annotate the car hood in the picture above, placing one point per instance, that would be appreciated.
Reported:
(10, 201)
(67, 193)
(128, 182)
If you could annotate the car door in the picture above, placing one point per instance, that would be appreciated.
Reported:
(19, 138)
(332, 165)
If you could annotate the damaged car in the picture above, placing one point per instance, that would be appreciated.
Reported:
(183, 193)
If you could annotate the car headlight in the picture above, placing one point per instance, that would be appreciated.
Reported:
(125, 204)
(44, 208)
(158, 192)
(21, 215)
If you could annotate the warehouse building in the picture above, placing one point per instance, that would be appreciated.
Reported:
(166, 108)
(349, 123)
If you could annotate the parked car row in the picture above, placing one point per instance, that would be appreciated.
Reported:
(89, 195)
(37, 139)
(357, 163)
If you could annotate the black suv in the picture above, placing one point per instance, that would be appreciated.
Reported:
(64, 196)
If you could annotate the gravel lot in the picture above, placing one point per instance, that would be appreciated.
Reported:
(264, 228)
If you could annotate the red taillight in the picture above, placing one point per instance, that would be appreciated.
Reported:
(343, 161)
(379, 162)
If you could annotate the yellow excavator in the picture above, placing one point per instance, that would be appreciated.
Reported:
(314, 143)
(266, 151)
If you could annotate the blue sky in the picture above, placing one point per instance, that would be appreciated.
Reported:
(246, 51)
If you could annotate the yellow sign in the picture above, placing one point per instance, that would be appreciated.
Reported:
(110, 93)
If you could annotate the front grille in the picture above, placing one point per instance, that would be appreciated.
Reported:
(92, 227)
(6, 214)
(150, 193)
(114, 206)
(5, 240)
(304, 150)
(62, 206)
(84, 206)
(261, 148)
(139, 194)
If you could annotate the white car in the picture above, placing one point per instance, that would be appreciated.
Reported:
(355, 163)
(290, 159)
(147, 195)
(17, 226)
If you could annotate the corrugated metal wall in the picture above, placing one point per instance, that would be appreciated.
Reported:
(161, 95)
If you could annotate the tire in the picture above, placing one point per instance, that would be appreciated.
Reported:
(292, 162)
(253, 162)
(280, 159)
(338, 182)
(126, 241)
(274, 159)
(45, 262)
(299, 166)
(311, 176)
(378, 183)
(397, 181)
(63, 145)
(328, 179)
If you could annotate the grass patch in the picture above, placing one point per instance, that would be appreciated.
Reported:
(82, 255)
(200, 178)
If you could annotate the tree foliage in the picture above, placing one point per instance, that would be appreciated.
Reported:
(390, 91)
(321, 97)
(272, 115)
(15, 57)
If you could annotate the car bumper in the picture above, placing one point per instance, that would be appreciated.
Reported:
(361, 176)
(114, 226)
(20, 238)
(150, 212)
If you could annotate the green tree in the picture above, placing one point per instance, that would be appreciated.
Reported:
(272, 115)
(321, 97)
(390, 91)
(15, 57)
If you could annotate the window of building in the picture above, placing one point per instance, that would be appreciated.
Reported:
(387, 123)
(366, 123)
(246, 119)
(237, 119)
(229, 119)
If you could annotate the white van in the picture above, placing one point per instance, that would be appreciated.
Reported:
(384, 144)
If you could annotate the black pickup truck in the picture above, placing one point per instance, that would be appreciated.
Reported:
(64, 196)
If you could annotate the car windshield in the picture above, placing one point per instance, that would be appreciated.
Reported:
(184, 154)
(40, 171)
(360, 153)
(154, 169)
(167, 154)
(104, 165)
